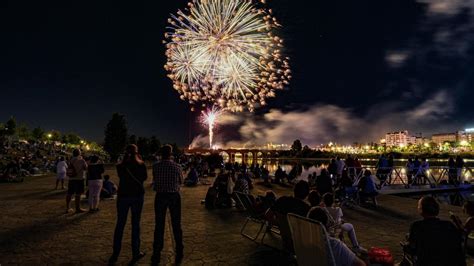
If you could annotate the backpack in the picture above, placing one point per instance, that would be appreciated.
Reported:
(71, 170)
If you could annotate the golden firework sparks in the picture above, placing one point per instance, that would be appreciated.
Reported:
(224, 52)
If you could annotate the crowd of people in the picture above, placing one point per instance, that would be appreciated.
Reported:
(430, 241)
(320, 197)
(20, 159)
(81, 171)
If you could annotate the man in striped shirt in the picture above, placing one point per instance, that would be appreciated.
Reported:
(167, 179)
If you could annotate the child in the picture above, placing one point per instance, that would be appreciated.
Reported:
(61, 169)
(335, 215)
(108, 188)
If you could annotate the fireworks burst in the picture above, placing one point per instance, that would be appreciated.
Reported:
(210, 118)
(224, 52)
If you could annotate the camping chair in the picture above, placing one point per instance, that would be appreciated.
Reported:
(408, 258)
(285, 232)
(310, 240)
(252, 215)
(350, 197)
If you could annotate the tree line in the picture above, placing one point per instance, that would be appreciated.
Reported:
(116, 137)
(12, 130)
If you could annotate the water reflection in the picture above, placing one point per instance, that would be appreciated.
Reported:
(437, 169)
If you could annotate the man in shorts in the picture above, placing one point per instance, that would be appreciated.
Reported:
(76, 182)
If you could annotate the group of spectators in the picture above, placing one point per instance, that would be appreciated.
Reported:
(80, 170)
(19, 159)
(455, 168)
(430, 241)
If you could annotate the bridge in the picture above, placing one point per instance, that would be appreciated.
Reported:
(231, 153)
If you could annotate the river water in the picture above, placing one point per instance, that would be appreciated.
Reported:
(311, 166)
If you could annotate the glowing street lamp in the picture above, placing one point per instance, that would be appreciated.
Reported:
(49, 135)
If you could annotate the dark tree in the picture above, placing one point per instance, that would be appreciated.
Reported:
(307, 151)
(297, 146)
(132, 139)
(23, 132)
(10, 127)
(37, 133)
(143, 146)
(176, 150)
(116, 133)
(55, 135)
(155, 145)
(71, 138)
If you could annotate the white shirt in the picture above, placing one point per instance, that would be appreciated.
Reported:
(336, 213)
(61, 167)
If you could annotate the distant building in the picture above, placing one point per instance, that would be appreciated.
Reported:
(400, 139)
(442, 138)
(422, 141)
(458, 136)
(469, 134)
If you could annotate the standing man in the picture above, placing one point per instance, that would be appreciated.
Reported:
(167, 178)
(77, 173)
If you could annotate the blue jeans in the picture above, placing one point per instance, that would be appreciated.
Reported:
(123, 205)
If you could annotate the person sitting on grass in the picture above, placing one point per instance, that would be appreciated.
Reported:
(192, 178)
(109, 189)
(223, 199)
(335, 215)
(432, 241)
(342, 254)
(367, 187)
(279, 175)
(324, 182)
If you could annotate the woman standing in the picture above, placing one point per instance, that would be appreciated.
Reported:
(94, 180)
(132, 173)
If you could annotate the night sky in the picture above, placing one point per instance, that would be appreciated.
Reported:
(370, 65)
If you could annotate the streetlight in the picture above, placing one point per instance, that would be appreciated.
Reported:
(49, 135)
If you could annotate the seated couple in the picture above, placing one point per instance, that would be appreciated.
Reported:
(298, 205)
